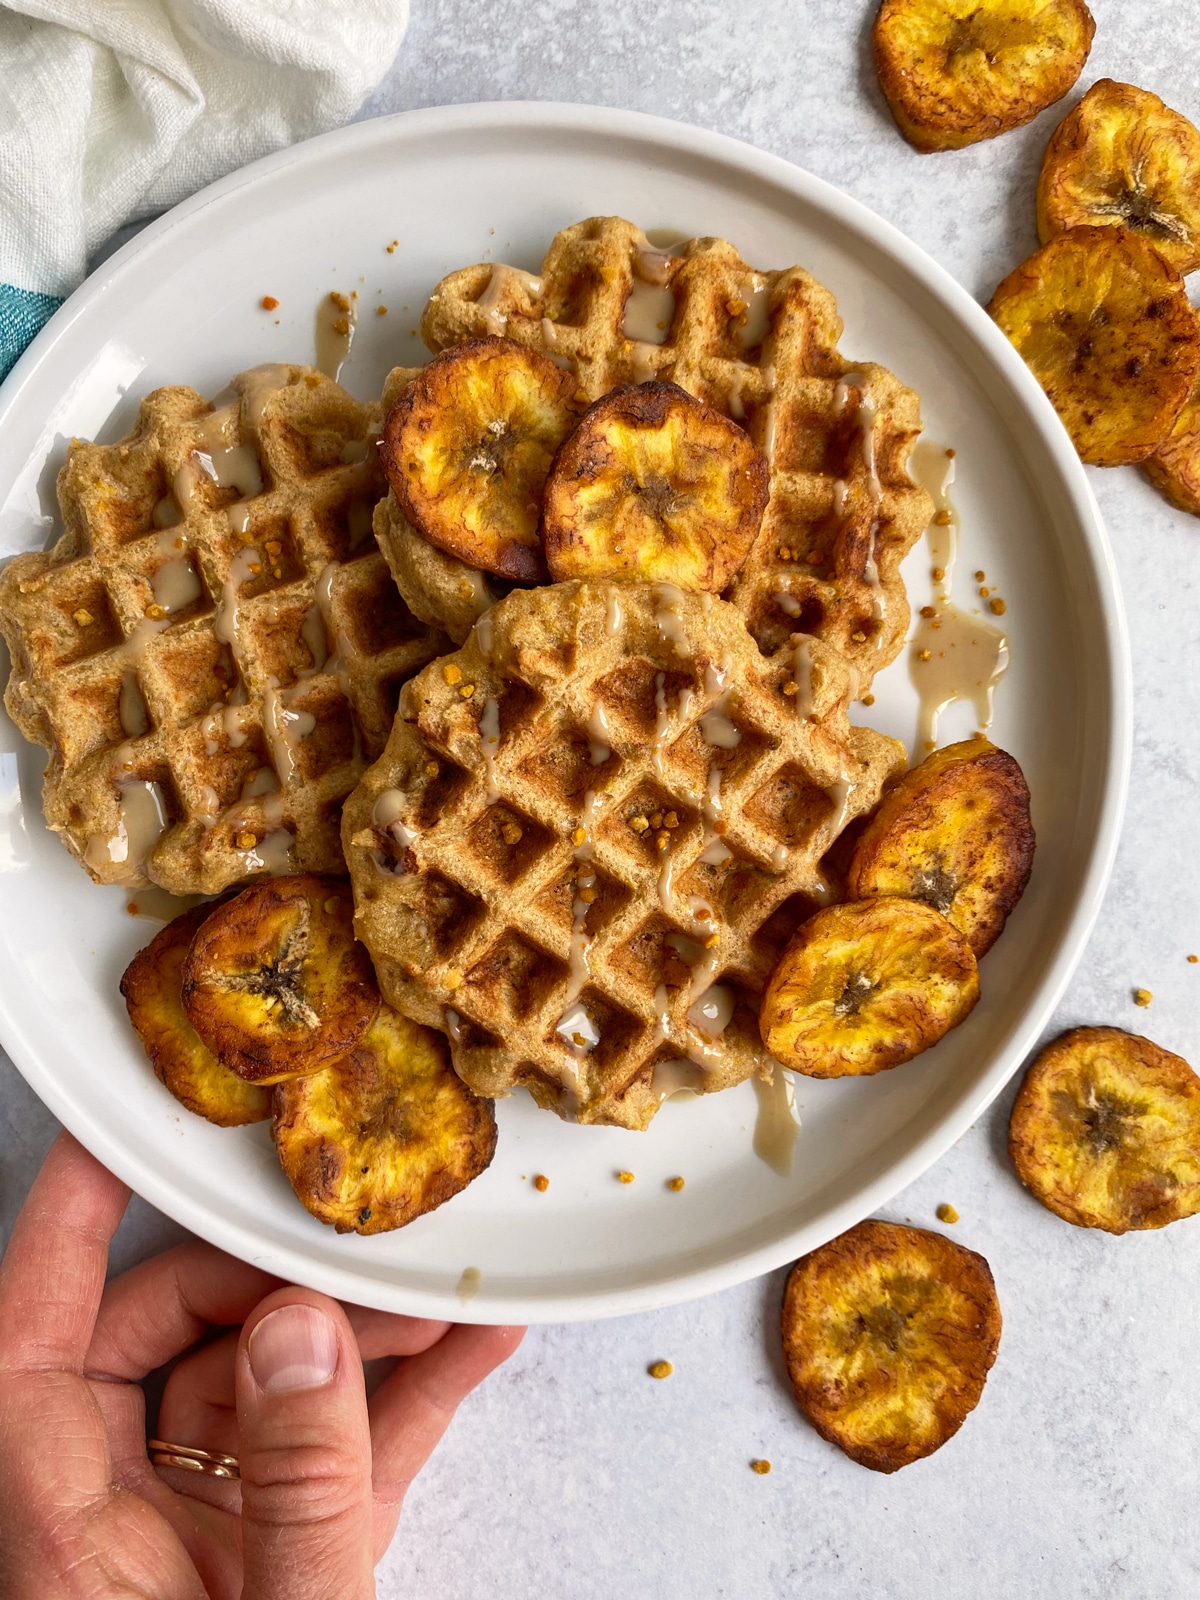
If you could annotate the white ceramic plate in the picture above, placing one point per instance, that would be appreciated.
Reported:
(179, 304)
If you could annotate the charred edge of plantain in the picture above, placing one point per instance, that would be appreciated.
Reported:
(421, 403)
(146, 962)
(967, 1350)
(334, 991)
(651, 405)
(1051, 1114)
(648, 405)
(152, 988)
(929, 119)
(1174, 468)
(917, 800)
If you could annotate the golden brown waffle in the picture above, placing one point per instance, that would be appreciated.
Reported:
(603, 815)
(762, 348)
(436, 586)
(214, 649)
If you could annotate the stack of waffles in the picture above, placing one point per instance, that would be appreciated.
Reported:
(761, 347)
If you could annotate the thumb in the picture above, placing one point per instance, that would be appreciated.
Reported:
(304, 1446)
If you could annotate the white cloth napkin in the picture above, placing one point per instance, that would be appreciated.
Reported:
(113, 110)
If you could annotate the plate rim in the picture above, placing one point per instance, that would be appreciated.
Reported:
(814, 192)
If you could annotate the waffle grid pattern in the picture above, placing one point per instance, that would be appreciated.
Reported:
(216, 622)
(488, 858)
(762, 348)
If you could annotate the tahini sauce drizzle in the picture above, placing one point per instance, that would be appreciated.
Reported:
(141, 823)
(575, 1027)
(669, 620)
(867, 417)
(777, 1124)
(967, 656)
(131, 706)
(504, 277)
(333, 331)
(489, 735)
(469, 1284)
(752, 324)
(649, 311)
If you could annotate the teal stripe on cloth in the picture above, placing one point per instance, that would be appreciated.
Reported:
(22, 313)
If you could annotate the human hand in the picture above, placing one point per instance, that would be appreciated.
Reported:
(323, 1469)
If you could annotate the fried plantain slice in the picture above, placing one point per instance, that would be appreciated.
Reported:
(276, 983)
(467, 448)
(1175, 465)
(1105, 1130)
(954, 832)
(1104, 324)
(654, 485)
(957, 71)
(889, 1334)
(385, 1134)
(1124, 158)
(182, 1062)
(863, 987)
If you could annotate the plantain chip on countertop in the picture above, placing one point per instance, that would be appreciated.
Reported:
(956, 833)
(866, 986)
(276, 983)
(957, 71)
(1105, 1131)
(1123, 158)
(386, 1133)
(889, 1333)
(182, 1062)
(654, 485)
(1175, 465)
(1104, 324)
(467, 448)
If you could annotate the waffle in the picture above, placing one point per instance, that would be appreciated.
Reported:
(762, 348)
(436, 586)
(214, 649)
(603, 815)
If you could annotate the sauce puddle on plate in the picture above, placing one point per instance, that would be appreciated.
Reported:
(952, 655)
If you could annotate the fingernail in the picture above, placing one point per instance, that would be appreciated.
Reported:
(295, 1347)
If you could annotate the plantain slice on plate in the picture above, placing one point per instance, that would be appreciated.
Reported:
(1175, 465)
(957, 71)
(467, 448)
(1124, 158)
(275, 982)
(1103, 322)
(182, 1062)
(385, 1134)
(956, 833)
(654, 485)
(866, 986)
(1105, 1131)
(889, 1334)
